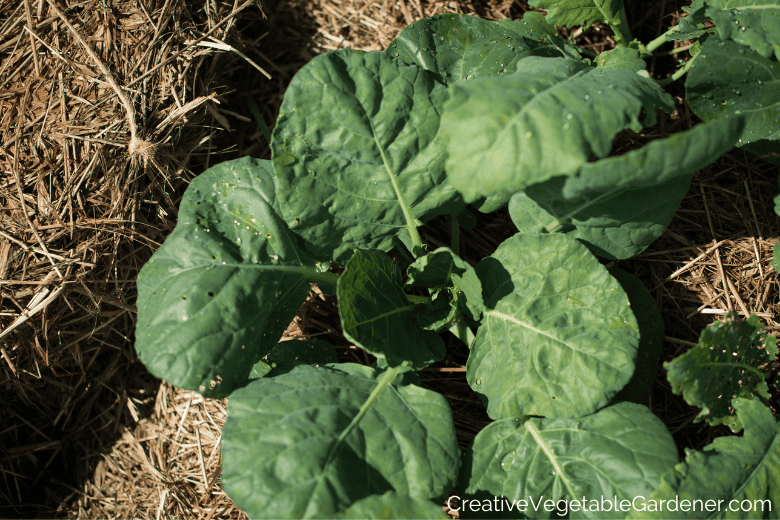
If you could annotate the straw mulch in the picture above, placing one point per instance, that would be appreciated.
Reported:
(86, 432)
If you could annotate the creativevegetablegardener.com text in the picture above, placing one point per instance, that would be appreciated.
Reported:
(562, 507)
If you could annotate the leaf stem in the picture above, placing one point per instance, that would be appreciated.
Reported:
(461, 330)
(411, 225)
(387, 378)
(417, 299)
(653, 45)
(620, 29)
(680, 73)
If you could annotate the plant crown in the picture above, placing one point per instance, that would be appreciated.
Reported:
(369, 146)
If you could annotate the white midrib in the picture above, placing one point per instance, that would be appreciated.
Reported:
(550, 455)
(507, 317)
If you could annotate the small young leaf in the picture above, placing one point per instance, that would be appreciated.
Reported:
(377, 316)
(559, 338)
(442, 269)
(729, 78)
(620, 451)
(723, 365)
(356, 129)
(732, 472)
(621, 58)
(549, 118)
(219, 293)
(311, 442)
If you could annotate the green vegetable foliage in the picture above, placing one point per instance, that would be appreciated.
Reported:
(368, 147)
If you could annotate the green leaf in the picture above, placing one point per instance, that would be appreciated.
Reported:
(219, 293)
(466, 219)
(570, 13)
(287, 355)
(377, 316)
(732, 472)
(534, 26)
(559, 339)
(620, 451)
(691, 26)
(618, 206)
(755, 23)
(765, 149)
(457, 47)
(353, 151)
(311, 442)
(728, 78)
(776, 257)
(651, 337)
(621, 58)
(442, 269)
(391, 505)
(723, 365)
(492, 203)
(549, 118)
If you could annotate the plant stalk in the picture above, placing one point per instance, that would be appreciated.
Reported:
(454, 235)
(680, 73)
(653, 45)
(621, 29)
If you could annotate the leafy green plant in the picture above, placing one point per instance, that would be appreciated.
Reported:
(368, 147)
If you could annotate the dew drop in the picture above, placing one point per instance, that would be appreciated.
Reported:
(238, 240)
(529, 135)
(479, 382)
(469, 77)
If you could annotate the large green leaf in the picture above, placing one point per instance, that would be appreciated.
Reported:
(559, 338)
(219, 293)
(548, 119)
(723, 365)
(613, 455)
(311, 442)
(618, 206)
(755, 23)
(734, 477)
(457, 47)
(353, 149)
(570, 13)
(730, 78)
(377, 316)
